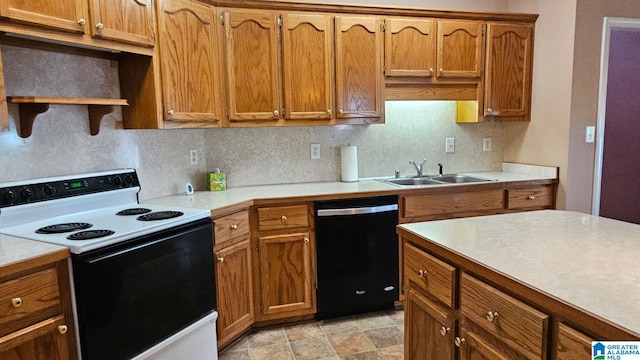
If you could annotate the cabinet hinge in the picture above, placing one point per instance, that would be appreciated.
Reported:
(257, 245)
(228, 114)
(280, 21)
(283, 112)
(222, 19)
(384, 70)
(383, 27)
(260, 307)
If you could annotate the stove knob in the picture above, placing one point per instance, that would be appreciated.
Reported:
(49, 189)
(9, 195)
(129, 179)
(118, 180)
(26, 193)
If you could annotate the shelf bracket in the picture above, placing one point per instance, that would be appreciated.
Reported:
(28, 113)
(96, 113)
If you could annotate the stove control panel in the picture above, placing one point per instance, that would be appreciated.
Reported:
(51, 190)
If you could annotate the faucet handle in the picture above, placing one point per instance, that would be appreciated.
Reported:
(440, 169)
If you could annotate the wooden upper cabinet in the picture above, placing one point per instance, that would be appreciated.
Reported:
(359, 76)
(64, 15)
(189, 63)
(129, 21)
(508, 72)
(460, 47)
(307, 68)
(252, 65)
(410, 47)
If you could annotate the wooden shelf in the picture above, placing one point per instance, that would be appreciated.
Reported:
(32, 106)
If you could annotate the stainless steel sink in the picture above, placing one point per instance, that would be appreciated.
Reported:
(433, 180)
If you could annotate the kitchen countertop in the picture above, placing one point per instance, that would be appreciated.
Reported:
(583, 260)
(214, 200)
(14, 250)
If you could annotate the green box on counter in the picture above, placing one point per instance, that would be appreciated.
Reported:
(217, 182)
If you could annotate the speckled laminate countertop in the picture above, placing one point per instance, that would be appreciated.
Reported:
(586, 261)
(14, 250)
(234, 196)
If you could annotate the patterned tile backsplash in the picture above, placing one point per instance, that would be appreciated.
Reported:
(61, 143)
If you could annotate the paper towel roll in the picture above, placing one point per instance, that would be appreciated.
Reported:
(349, 161)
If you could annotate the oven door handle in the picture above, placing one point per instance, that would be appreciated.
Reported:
(358, 210)
(125, 251)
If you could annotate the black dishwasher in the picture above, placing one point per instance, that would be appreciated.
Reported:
(357, 255)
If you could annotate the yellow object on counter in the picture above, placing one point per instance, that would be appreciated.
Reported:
(217, 181)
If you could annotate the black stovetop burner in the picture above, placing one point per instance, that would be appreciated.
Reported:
(133, 211)
(63, 228)
(90, 234)
(159, 215)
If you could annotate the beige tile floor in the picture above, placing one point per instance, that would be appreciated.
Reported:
(373, 336)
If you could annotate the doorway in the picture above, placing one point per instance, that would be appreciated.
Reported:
(616, 193)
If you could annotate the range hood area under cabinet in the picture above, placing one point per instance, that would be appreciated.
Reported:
(354, 58)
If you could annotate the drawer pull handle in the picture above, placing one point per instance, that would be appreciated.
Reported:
(284, 218)
(459, 341)
(233, 227)
(422, 273)
(491, 316)
(306, 239)
(16, 302)
(221, 259)
(531, 197)
(99, 26)
(444, 331)
(62, 329)
(82, 22)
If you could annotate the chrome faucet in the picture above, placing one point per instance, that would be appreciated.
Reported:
(418, 167)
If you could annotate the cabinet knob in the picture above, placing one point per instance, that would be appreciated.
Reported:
(171, 112)
(221, 259)
(340, 111)
(432, 70)
(531, 197)
(444, 331)
(284, 218)
(491, 315)
(16, 302)
(62, 329)
(459, 341)
(276, 113)
(82, 22)
(233, 227)
(306, 239)
(329, 112)
(100, 26)
(422, 273)
(441, 70)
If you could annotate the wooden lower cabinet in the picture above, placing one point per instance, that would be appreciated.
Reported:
(46, 340)
(286, 275)
(473, 347)
(234, 291)
(429, 329)
(572, 344)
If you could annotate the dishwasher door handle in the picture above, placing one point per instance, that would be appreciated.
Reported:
(357, 210)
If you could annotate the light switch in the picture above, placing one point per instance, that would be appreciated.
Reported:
(590, 134)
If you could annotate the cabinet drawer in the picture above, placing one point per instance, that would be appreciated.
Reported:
(534, 197)
(430, 275)
(283, 217)
(447, 205)
(516, 324)
(231, 226)
(28, 299)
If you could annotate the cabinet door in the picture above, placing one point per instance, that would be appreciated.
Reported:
(508, 71)
(234, 291)
(429, 329)
(65, 15)
(359, 77)
(190, 73)
(46, 340)
(460, 47)
(252, 65)
(473, 347)
(410, 47)
(307, 54)
(129, 21)
(286, 272)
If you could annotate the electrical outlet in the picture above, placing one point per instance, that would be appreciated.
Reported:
(315, 151)
(590, 135)
(450, 145)
(193, 155)
(486, 144)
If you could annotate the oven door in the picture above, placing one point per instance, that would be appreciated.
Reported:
(135, 294)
